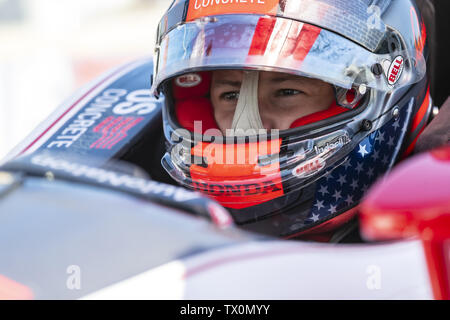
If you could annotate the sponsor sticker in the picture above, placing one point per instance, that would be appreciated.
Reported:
(237, 190)
(102, 111)
(204, 8)
(395, 70)
(188, 80)
(309, 168)
(113, 178)
(332, 145)
(114, 130)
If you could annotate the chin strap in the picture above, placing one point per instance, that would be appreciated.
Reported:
(247, 115)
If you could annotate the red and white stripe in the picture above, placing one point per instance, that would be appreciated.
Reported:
(283, 41)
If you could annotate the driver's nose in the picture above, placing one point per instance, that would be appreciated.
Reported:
(272, 119)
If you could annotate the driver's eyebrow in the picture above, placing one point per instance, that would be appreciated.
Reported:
(285, 78)
(225, 82)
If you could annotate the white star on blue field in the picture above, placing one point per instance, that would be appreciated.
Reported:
(362, 150)
(342, 188)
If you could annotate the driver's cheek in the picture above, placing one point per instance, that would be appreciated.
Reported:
(224, 118)
(273, 117)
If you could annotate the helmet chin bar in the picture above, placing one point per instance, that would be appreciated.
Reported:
(247, 116)
(297, 163)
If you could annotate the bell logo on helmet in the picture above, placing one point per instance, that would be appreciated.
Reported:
(309, 168)
(188, 80)
(395, 70)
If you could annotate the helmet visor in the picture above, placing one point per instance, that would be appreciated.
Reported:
(284, 45)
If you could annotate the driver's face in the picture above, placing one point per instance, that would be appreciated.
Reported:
(283, 98)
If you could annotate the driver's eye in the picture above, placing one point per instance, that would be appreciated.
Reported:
(287, 92)
(230, 96)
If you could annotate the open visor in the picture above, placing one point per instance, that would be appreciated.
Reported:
(278, 44)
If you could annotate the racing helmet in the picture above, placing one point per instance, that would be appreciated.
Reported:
(310, 177)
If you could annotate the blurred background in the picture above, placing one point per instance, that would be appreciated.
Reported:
(49, 48)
